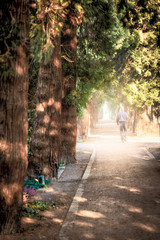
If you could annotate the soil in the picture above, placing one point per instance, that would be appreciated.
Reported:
(120, 200)
(47, 224)
(156, 152)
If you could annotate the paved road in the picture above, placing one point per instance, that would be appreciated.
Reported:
(119, 197)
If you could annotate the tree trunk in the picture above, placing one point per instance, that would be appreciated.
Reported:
(93, 111)
(45, 144)
(14, 22)
(69, 112)
(135, 121)
(84, 125)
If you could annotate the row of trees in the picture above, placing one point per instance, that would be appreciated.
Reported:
(137, 61)
(39, 53)
(76, 61)
(134, 79)
(54, 132)
(60, 52)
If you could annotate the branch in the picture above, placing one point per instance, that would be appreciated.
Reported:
(67, 59)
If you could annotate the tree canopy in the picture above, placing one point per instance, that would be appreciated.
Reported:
(137, 60)
(75, 48)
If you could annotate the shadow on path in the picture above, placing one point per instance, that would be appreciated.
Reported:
(121, 198)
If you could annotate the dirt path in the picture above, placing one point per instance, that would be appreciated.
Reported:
(120, 200)
(118, 197)
(47, 225)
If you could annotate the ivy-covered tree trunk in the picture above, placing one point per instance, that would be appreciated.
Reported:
(14, 24)
(69, 112)
(45, 144)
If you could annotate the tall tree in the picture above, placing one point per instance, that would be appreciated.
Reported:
(45, 145)
(14, 31)
(46, 132)
(69, 69)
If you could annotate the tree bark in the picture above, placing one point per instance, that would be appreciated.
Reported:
(45, 144)
(93, 109)
(14, 21)
(69, 112)
(84, 125)
(135, 121)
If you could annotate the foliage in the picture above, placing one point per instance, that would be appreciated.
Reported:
(30, 191)
(137, 60)
(46, 22)
(9, 40)
(97, 39)
(141, 94)
(30, 129)
(35, 184)
(33, 208)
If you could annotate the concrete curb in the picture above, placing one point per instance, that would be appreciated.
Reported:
(148, 153)
(151, 156)
(70, 217)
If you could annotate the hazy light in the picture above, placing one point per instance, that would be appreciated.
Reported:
(48, 214)
(135, 209)
(80, 199)
(83, 224)
(145, 227)
(57, 63)
(130, 189)
(28, 220)
(46, 119)
(57, 220)
(90, 214)
(19, 70)
(88, 235)
(9, 191)
(41, 107)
